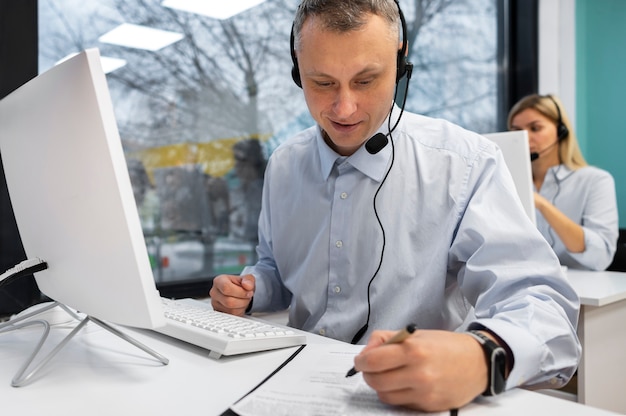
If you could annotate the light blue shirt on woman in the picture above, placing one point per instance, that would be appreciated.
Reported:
(587, 197)
(459, 250)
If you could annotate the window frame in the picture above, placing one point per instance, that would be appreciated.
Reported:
(18, 64)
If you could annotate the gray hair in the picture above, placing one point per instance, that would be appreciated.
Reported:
(345, 15)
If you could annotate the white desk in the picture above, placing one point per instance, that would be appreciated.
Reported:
(602, 333)
(99, 374)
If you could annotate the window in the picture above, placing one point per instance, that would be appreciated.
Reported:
(200, 115)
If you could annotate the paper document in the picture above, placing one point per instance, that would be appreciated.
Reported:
(315, 383)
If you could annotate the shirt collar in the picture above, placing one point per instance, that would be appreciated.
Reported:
(373, 166)
(327, 155)
(561, 171)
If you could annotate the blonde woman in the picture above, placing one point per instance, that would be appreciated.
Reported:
(575, 202)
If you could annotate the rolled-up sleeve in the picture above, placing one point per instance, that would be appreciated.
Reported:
(515, 282)
(600, 224)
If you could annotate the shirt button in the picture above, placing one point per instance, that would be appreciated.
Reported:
(339, 244)
(322, 332)
(337, 289)
(343, 195)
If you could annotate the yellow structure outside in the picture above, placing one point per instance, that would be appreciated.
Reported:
(215, 157)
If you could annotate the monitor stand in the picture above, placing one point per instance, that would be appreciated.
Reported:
(22, 379)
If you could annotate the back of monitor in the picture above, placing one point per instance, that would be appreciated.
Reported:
(72, 197)
(516, 152)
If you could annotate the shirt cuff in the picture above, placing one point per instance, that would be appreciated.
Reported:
(260, 292)
(528, 351)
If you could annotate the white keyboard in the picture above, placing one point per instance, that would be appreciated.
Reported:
(197, 323)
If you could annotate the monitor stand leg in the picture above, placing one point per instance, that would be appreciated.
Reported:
(163, 360)
(20, 379)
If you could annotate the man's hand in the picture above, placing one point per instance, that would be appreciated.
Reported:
(430, 371)
(232, 294)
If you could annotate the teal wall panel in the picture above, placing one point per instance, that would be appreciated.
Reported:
(601, 88)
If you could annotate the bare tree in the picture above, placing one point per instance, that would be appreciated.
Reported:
(230, 78)
(210, 85)
(452, 47)
(217, 82)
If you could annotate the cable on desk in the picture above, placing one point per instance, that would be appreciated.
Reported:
(230, 412)
(25, 268)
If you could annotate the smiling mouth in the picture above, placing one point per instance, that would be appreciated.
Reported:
(344, 126)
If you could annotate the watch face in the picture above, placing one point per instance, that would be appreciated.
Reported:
(498, 370)
(496, 362)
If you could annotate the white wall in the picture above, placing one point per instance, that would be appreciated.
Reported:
(557, 52)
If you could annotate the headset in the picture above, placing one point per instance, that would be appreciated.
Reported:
(403, 65)
(561, 129)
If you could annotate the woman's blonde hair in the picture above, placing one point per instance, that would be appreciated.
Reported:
(551, 107)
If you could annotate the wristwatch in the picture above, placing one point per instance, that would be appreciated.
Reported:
(496, 363)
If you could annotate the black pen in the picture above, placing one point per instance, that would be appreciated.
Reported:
(396, 339)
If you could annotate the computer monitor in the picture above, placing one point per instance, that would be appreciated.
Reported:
(72, 197)
(516, 152)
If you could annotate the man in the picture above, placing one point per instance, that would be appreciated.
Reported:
(425, 230)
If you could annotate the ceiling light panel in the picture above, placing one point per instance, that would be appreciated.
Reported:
(217, 9)
(108, 64)
(140, 37)
(111, 64)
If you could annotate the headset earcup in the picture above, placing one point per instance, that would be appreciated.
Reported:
(295, 74)
(562, 131)
(401, 66)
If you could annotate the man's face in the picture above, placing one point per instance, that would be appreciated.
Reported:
(348, 80)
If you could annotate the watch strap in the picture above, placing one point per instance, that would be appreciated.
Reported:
(495, 356)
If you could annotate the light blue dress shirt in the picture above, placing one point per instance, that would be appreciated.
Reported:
(459, 249)
(587, 197)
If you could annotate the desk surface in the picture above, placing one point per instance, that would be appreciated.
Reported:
(598, 288)
(99, 374)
